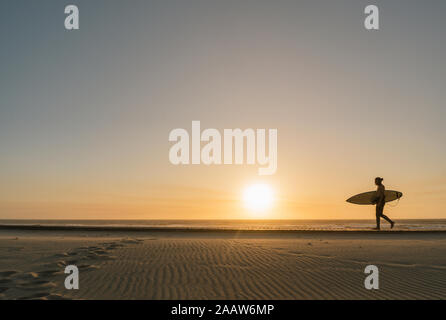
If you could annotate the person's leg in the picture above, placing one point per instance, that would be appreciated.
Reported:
(378, 216)
(387, 218)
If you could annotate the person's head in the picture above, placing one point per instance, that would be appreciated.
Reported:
(378, 181)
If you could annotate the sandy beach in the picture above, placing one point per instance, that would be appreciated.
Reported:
(221, 265)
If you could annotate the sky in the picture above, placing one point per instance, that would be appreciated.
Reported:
(85, 115)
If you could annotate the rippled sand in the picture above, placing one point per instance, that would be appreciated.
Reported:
(209, 265)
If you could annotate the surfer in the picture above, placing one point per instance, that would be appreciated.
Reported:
(380, 201)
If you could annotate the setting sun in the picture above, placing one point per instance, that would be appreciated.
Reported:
(258, 197)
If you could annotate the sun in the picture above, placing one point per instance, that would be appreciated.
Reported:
(258, 197)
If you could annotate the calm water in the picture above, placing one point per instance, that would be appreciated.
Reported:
(439, 224)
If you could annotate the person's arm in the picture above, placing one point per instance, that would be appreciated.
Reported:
(380, 194)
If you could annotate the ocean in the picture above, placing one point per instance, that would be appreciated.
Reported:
(406, 224)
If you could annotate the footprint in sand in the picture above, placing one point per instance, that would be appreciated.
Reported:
(7, 273)
(55, 265)
(114, 246)
(131, 241)
(61, 264)
(72, 261)
(88, 267)
(30, 276)
(56, 297)
(47, 273)
(5, 281)
(37, 295)
(100, 252)
(41, 284)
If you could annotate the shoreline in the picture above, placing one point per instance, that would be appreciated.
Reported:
(37, 227)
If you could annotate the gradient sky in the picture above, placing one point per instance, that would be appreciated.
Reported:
(85, 115)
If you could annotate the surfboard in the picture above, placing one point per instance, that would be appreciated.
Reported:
(368, 197)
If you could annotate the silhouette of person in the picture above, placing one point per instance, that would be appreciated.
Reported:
(380, 202)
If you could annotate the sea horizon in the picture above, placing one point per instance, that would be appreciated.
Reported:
(231, 224)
